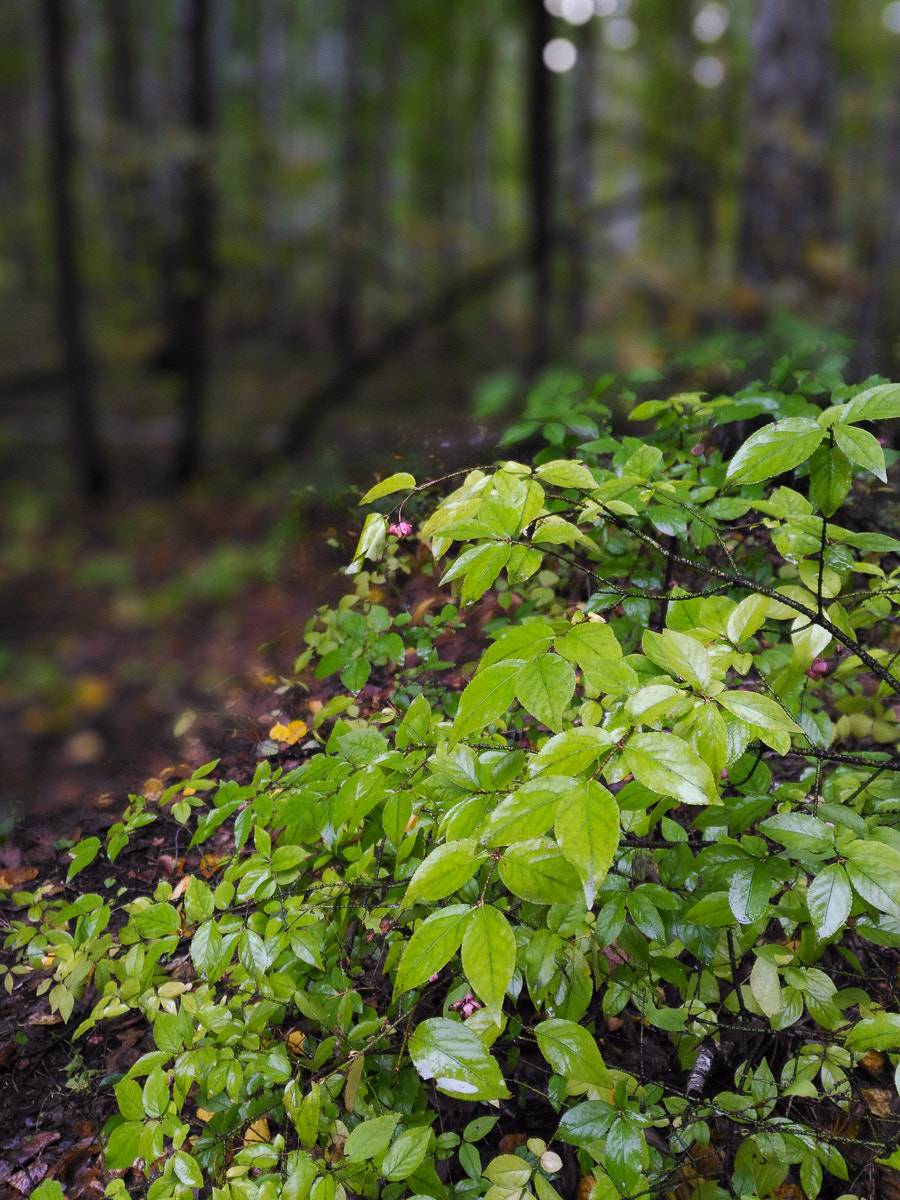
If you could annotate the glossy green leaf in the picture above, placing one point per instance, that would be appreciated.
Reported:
(370, 1138)
(83, 854)
(563, 472)
(187, 1170)
(489, 954)
(668, 765)
(572, 1053)
(687, 658)
(829, 898)
(455, 1058)
(157, 920)
(749, 891)
(765, 984)
(880, 403)
(799, 831)
(830, 478)
(431, 946)
(571, 752)
(587, 829)
(536, 870)
(775, 449)
(371, 542)
(761, 711)
(874, 870)
(130, 1099)
(478, 566)
(444, 871)
(487, 697)
(508, 1172)
(155, 1094)
(406, 1154)
(861, 448)
(402, 481)
(746, 618)
(881, 1032)
(528, 812)
(544, 688)
(519, 642)
(592, 647)
(122, 1149)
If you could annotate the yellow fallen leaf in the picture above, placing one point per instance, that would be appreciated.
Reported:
(258, 1131)
(295, 1041)
(203, 1114)
(153, 789)
(288, 733)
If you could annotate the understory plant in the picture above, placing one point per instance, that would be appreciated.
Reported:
(623, 924)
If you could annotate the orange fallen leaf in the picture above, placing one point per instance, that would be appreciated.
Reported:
(11, 877)
(872, 1062)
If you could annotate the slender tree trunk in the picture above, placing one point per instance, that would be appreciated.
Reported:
(582, 175)
(126, 181)
(69, 293)
(384, 142)
(195, 259)
(348, 282)
(540, 171)
(15, 136)
(786, 194)
(878, 313)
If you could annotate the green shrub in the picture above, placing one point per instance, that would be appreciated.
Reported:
(632, 905)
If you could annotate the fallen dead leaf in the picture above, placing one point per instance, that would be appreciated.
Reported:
(878, 1100)
(258, 1132)
(153, 789)
(289, 734)
(295, 1040)
(872, 1062)
(11, 877)
(44, 1019)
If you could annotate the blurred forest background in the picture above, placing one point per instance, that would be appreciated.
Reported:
(252, 251)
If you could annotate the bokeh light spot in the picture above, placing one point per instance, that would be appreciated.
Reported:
(890, 18)
(560, 55)
(709, 71)
(710, 23)
(620, 33)
(577, 12)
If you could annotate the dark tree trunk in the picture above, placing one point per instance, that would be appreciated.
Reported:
(878, 313)
(126, 175)
(15, 137)
(347, 296)
(540, 171)
(582, 176)
(123, 96)
(194, 265)
(786, 194)
(69, 293)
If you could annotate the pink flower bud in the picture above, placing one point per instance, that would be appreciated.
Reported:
(697, 450)
(817, 668)
(400, 529)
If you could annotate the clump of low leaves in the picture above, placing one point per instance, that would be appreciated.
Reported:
(624, 924)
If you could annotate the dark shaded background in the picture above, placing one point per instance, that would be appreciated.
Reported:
(252, 251)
